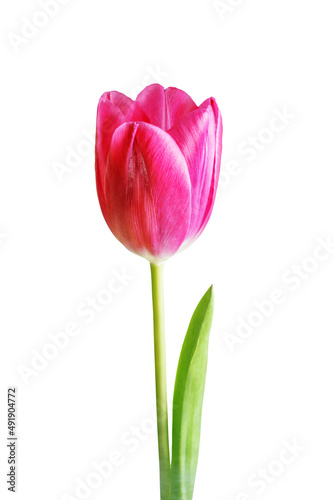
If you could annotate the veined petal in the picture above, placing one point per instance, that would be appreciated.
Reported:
(109, 117)
(160, 107)
(148, 191)
(217, 166)
(196, 135)
(149, 106)
(122, 101)
(178, 104)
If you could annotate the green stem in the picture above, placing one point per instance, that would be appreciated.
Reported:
(160, 378)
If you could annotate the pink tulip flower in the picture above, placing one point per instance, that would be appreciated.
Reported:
(157, 168)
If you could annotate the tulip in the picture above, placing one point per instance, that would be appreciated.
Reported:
(157, 168)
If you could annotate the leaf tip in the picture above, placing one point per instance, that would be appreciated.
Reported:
(210, 292)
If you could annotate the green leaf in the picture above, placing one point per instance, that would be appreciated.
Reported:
(188, 398)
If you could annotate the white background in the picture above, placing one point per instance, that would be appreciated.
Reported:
(257, 58)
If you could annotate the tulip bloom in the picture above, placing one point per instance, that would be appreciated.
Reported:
(157, 168)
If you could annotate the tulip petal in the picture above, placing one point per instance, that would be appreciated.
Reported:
(148, 191)
(178, 104)
(149, 106)
(197, 134)
(160, 107)
(217, 166)
(109, 117)
(120, 100)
